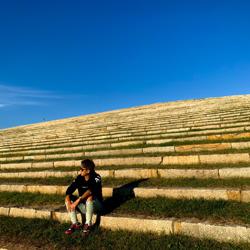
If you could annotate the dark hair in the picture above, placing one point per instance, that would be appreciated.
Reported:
(88, 164)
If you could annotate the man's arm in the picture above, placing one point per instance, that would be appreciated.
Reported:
(86, 195)
(70, 190)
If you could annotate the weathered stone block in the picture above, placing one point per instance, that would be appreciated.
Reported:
(136, 173)
(203, 147)
(180, 160)
(234, 172)
(4, 211)
(128, 161)
(42, 165)
(240, 145)
(224, 158)
(107, 191)
(187, 193)
(29, 213)
(16, 165)
(223, 233)
(159, 141)
(188, 173)
(234, 194)
(106, 173)
(139, 225)
(12, 188)
(245, 195)
(127, 143)
(158, 149)
(114, 152)
(66, 163)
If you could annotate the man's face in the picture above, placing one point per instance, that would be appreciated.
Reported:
(84, 171)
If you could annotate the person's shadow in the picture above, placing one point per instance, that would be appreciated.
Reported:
(120, 195)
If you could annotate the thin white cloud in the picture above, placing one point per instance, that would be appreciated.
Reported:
(17, 96)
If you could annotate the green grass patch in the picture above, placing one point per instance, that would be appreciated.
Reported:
(160, 207)
(46, 234)
(38, 181)
(30, 199)
(212, 210)
(242, 183)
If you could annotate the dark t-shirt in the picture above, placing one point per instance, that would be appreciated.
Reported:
(94, 184)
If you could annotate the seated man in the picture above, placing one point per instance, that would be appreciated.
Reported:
(90, 199)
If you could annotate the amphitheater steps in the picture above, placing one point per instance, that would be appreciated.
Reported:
(191, 227)
(185, 160)
(230, 194)
(230, 138)
(136, 150)
(207, 140)
(149, 134)
(216, 173)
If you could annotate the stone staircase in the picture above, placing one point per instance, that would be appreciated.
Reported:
(202, 143)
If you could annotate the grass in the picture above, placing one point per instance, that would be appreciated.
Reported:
(212, 210)
(242, 183)
(46, 234)
(30, 199)
(159, 207)
(197, 183)
(38, 181)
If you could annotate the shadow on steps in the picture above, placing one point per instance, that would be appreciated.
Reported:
(120, 195)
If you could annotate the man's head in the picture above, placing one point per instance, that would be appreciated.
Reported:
(87, 167)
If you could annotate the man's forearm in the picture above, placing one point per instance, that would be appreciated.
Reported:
(85, 195)
(67, 199)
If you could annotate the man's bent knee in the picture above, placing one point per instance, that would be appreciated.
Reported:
(90, 198)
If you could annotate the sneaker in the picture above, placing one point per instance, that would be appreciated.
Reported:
(86, 228)
(72, 228)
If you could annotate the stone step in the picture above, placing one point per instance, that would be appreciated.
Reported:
(216, 173)
(197, 159)
(188, 148)
(230, 194)
(191, 227)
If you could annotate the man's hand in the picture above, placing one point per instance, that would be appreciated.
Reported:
(73, 205)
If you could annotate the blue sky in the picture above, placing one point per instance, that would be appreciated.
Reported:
(61, 59)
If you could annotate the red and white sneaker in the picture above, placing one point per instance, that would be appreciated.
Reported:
(86, 228)
(72, 228)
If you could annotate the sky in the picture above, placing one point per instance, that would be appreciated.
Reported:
(62, 59)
